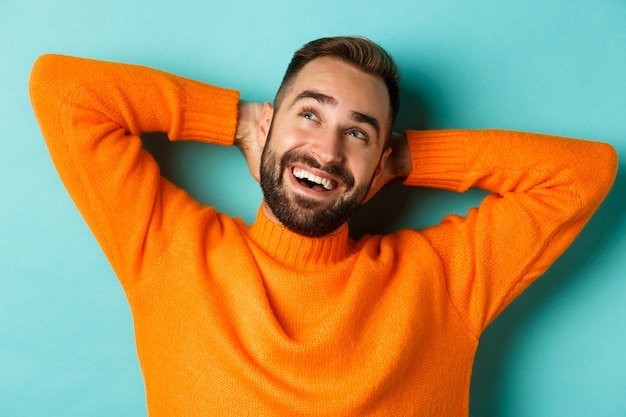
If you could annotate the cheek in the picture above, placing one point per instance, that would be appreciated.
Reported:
(362, 161)
(288, 138)
(362, 170)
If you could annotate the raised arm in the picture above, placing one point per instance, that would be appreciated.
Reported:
(91, 114)
(544, 189)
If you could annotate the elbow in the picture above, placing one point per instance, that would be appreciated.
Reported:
(609, 162)
(39, 86)
(601, 174)
(49, 86)
(40, 73)
(47, 80)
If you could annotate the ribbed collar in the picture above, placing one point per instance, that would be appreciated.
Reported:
(297, 251)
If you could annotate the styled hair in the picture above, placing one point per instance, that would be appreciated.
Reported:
(360, 52)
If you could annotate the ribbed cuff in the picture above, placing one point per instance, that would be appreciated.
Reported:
(438, 159)
(210, 113)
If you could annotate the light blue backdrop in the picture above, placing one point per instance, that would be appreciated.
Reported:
(552, 66)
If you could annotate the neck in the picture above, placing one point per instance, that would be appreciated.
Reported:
(295, 250)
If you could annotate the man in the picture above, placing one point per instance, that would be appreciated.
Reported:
(289, 316)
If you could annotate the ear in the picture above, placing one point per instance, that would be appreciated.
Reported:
(380, 169)
(380, 178)
(265, 123)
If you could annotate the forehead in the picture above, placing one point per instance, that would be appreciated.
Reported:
(352, 88)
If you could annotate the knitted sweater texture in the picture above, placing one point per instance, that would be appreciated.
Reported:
(237, 320)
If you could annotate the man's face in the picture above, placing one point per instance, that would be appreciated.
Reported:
(324, 146)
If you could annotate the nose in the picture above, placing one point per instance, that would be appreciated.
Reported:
(328, 147)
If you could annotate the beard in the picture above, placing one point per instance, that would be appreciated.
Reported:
(300, 214)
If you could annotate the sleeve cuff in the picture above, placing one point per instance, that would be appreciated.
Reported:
(210, 113)
(438, 159)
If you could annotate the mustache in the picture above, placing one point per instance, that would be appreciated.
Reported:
(336, 170)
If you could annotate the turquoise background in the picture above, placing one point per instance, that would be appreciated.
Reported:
(551, 66)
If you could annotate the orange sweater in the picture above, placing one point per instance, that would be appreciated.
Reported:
(232, 320)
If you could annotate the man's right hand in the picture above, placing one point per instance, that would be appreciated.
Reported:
(246, 136)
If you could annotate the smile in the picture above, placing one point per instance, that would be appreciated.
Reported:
(310, 180)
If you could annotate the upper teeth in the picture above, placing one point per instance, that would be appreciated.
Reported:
(306, 175)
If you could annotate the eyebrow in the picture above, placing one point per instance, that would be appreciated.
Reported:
(331, 101)
(366, 118)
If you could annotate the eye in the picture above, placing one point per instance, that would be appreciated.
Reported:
(308, 114)
(359, 134)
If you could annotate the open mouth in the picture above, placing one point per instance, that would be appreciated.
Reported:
(315, 182)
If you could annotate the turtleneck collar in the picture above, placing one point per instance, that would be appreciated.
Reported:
(299, 251)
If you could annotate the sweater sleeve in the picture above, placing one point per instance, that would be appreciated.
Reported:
(91, 114)
(543, 191)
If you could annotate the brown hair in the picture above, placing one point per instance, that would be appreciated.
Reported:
(358, 51)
